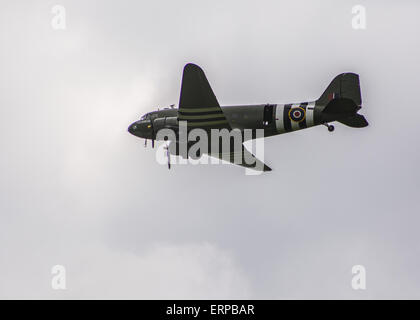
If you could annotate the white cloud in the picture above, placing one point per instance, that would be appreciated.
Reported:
(162, 271)
(190, 271)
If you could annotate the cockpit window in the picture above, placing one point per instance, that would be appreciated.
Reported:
(149, 116)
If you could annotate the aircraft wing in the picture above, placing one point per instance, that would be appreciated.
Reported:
(197, 103)
(245, 156)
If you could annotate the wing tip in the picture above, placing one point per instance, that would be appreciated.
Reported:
(267, 168)
(191, 66)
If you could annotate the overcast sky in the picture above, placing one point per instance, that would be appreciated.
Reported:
(76, 189)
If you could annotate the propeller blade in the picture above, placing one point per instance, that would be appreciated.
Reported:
(168, 154)
(153, 132)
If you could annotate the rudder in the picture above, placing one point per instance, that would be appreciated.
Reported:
(345, 85)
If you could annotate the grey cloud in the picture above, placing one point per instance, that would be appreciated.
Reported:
(78, 190)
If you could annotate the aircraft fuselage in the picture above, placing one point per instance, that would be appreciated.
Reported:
(274, 119)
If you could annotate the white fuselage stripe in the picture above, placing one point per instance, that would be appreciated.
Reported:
(310, 114)
(279, 118)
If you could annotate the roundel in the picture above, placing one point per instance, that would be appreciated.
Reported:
(297, 114)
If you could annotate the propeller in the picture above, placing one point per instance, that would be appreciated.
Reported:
(153, 133)
(168, 154)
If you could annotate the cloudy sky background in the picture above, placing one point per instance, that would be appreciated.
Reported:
(77, 190)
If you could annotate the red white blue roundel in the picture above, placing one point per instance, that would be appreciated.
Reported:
(297, 114)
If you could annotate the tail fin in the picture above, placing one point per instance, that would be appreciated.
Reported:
(345, 85)
(342, 99)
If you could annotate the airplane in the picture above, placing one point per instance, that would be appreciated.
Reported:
(199, 107)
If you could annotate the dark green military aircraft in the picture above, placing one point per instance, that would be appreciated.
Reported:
(199, 107)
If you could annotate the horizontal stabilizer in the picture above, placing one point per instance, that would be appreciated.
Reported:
(341, 106)
(355, 121)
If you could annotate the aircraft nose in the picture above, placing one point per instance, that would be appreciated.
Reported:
(141, 129)
(132, 128)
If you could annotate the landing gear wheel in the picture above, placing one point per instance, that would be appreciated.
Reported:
(331, 128)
